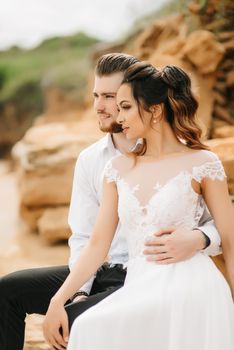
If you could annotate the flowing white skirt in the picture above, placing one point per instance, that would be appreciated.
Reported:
(182, 306)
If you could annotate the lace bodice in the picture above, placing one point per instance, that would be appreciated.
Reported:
(154, 195)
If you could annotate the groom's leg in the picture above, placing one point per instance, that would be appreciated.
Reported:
(75, 309)
(108, 280)
(25, 292)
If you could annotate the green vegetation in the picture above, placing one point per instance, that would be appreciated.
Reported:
(51, 62)
(61, 62)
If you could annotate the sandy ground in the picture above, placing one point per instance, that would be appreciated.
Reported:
(20, 249)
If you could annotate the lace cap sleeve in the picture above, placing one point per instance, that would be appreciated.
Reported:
(110, 173)
(212, 169)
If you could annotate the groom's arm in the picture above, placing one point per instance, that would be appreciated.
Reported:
(82, 213)
(207, 227)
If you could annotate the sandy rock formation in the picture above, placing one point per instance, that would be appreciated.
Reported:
(34, 335)
(207, 56)
(203, 51)
(200, 53)
(224, 131)
(46, 157)
(53, 223)
(165, 36)
(218, 17)
(201, 86)
(59, 106)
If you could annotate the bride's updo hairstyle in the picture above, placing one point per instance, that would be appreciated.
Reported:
(170, 87)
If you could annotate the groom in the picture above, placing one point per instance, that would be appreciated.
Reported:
(30, 291)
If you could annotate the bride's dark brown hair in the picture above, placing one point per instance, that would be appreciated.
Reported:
(171, 87)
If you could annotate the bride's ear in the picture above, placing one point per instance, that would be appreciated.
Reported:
(157, 111)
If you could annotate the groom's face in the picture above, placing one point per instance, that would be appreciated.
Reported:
(104, 92)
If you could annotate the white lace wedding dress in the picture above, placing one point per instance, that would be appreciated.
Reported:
(180, 306)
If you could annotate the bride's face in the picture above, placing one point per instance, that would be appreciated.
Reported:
(135, 124)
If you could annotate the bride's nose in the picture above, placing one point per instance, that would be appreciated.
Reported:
(120, 118)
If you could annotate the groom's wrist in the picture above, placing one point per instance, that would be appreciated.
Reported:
(204, 240)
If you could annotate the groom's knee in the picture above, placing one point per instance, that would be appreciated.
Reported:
(13, 284)
(6, 285)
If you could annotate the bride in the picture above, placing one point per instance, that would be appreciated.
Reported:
(168, 181)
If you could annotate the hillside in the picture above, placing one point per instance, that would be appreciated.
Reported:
(52, 78)
(57, 62)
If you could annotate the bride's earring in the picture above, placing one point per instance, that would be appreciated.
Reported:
(154, 120)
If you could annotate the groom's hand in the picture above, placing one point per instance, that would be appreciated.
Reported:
(172, 244)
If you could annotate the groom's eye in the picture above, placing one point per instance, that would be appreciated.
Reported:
(109, 96)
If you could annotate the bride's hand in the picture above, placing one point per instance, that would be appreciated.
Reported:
(55, 320)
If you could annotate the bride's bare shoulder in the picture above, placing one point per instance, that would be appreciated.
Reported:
(123, 162)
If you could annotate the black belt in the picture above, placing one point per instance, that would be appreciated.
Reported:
(112, 266)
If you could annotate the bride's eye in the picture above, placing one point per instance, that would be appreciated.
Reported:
(126, 106)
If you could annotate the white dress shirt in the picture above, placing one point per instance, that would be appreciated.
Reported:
(85, 202)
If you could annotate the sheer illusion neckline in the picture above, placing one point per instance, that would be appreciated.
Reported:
(157, 188)
(170, 156)
(211, 168)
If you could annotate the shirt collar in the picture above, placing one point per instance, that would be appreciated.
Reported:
(108, 144)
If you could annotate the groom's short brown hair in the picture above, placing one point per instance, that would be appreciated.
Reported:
(114, 63)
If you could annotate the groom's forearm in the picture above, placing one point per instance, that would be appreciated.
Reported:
(209, 229)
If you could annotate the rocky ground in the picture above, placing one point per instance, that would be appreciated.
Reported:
(20, 249)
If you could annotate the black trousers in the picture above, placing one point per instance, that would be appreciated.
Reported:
(29, 291)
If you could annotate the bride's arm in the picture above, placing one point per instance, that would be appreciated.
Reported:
(216, 196)
(90, 259)
(94, 254)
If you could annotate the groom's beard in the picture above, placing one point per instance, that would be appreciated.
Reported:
(113, 128)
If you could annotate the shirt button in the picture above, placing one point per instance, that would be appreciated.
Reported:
(144, 211)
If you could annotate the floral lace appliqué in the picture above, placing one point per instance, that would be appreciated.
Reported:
(213, 170)
(110, 173)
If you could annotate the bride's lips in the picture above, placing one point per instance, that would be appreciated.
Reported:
(125, 129)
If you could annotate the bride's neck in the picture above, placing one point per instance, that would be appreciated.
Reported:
(162, 141)
(121, 143)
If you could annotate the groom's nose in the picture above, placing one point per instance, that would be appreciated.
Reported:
(99, 105)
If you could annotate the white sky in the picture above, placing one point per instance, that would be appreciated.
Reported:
(27, 22)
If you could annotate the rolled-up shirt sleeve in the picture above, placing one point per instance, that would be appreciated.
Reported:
(207, 226)
(82, 213)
